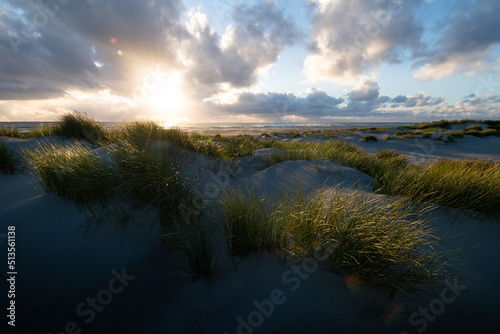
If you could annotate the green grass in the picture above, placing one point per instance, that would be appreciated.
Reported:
(249, 224)
(387, 245)
(392, 158)
(369, 138)
(199, 245)
(154, 177)
(338, 151)
(425, 130)
(8, 159)
(80, 126)
(73, 173)
(461, 184)
(474, 128)
(465, 184)
(10, 131)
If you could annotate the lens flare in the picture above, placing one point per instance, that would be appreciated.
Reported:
(119, 52)
(353, 283)
(393, 312)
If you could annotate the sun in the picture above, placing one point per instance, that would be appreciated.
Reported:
(167, 98)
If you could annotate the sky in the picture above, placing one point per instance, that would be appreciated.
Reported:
(282, 61)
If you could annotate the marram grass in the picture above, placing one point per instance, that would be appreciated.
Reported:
(154, 177)
(388, 245)
(72, 172)
(249, 224)
(9, 161)
(472, 185)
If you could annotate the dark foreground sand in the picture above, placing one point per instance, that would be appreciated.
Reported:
(111, 280)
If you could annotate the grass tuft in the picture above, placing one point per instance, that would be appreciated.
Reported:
(73, 173)
(198, 244)
(154, 177)
(369, 138)
(80, 126)
(465, 184)
(8, 159)
(10, 131)
(386, 244)
(249, 225)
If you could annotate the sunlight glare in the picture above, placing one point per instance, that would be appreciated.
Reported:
(167, 99)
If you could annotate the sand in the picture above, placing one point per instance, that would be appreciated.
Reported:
(142, 289)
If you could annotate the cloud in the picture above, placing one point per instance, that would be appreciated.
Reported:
(365, 90)
(278, 107)
(418, 100)
(465, 46)
(260, 33)
(363, 103)
(351, 37)
(51, 47)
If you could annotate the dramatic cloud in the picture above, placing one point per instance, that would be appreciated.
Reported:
(364, 101)
(365, 90)
(51, 47)
(419, 100)
(281, 107)
(257, 38)
(466, 44)
(351, 37)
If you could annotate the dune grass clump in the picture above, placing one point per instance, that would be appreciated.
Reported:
(73, 173)
(392, 158)
(462, 184)
(199, 245)
(369, 138)
(80, 126)
(8, 159)
(249, 224)
(10, 131)
(465, 184)
(338, 151)
(139, 133)
(483, 133)
(385, 244)
(42, 130)
(153, 176)
(474, 128)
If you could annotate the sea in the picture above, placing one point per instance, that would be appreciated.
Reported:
(234, 129)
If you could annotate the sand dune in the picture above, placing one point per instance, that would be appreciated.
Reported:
(60, 264)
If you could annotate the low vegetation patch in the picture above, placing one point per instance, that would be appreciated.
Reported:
(8, 159)
(465, 184)
(369, 138)
(10, 131)
(387, 246)
(154, 177)
(73, 173)
(249, 224)
(81, 126)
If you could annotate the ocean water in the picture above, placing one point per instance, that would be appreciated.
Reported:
(237, 128)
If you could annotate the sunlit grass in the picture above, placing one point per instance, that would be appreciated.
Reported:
(387, 245)
(72, 172)
(249, 224)
(10, 131)
(154, 177)
(465, 184)
(80, 126)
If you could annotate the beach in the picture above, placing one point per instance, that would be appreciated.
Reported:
(85, 272)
